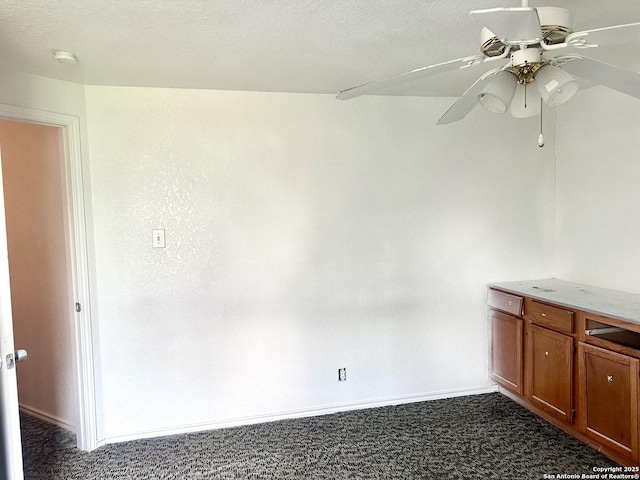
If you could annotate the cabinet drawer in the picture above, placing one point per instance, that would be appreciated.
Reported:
(506, 302)
(556, 318)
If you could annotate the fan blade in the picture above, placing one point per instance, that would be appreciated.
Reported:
(468, 100)
(616, 35)
(423, 72)
(604, 74)
(511, 25)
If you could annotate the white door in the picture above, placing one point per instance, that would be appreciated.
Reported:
(11, 444)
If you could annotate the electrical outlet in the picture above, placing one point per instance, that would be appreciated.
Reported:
(342, 374)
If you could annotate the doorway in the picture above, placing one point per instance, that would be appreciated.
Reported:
(71, 401)
(41, 294)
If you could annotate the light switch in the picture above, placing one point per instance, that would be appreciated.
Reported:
(158, 238)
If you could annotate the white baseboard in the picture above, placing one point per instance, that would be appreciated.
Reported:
(306, 412)
(34, 412)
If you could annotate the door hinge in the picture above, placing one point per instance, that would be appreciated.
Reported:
(78, 307)
(574, 348)
(573, 414)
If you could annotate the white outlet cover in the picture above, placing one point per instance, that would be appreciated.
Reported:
(158, 238)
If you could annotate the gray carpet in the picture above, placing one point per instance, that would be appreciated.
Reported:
(476, 437)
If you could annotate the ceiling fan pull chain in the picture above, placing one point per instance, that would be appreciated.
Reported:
(540, 137)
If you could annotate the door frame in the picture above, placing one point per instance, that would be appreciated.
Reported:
(75, 224)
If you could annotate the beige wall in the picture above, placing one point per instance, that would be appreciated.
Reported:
(38, 267)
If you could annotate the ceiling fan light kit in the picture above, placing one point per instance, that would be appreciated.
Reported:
(555, 85)
(497, 95)
(531, 38)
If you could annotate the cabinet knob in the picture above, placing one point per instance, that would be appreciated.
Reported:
(609, 379)
(510, 302)
(544, 314)
(546, 353)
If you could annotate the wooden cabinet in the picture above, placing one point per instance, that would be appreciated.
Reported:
(550, 371)
(505, 360)
(609, 398)
(507, 339)
(577, 367)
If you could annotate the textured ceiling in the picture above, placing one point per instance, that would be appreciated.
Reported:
(319, 46)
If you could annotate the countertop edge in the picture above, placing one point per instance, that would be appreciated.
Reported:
(614, 304)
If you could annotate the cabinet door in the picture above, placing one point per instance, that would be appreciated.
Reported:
(550, 372)
(505, 363)
(609, 398)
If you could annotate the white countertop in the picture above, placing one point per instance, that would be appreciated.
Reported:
(602, 301)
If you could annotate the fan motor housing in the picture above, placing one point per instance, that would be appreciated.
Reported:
(525, 63)
(556, 24)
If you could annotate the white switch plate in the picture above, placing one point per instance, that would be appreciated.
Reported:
(158, 238)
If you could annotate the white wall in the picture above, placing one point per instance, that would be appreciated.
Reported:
(40, 93)
(598, 194)
(303, 234)
(40, 300)
(306, 234)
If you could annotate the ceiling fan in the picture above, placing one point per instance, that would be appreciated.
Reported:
(533, 41)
